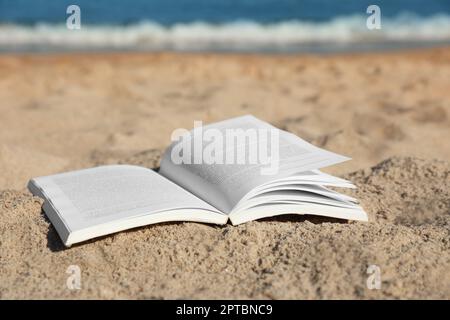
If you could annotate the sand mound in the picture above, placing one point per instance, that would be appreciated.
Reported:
(409, 190)
(285, 257)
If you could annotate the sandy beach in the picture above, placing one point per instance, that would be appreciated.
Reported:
(390, 112)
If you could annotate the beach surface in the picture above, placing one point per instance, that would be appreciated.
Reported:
(390, 112)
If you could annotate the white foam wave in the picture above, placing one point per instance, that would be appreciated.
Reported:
(233, 36)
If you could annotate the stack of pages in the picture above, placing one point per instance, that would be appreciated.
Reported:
(89, 203)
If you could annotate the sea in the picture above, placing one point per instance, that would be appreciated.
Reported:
(279, 26)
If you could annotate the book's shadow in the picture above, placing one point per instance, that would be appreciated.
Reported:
(54, 242)
(303, 218)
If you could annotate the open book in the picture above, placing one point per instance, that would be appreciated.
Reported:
(89, 203)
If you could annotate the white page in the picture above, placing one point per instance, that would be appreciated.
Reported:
(312, 177)
(292, 196)
(97, 196)
(223, 185)
(313, 188)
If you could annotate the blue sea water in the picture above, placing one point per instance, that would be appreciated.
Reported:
(241, 25)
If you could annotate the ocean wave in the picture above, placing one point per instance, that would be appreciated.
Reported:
(241, 35)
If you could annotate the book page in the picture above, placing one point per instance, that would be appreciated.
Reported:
(318, 189)
(224, 184)
(96, 196)
(293, 196)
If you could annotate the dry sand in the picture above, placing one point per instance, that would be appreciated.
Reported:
(389, 111)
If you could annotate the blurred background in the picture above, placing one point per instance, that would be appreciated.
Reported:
(116, 89)
(222, 25)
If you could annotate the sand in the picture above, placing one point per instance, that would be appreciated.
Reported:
(389, 111)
